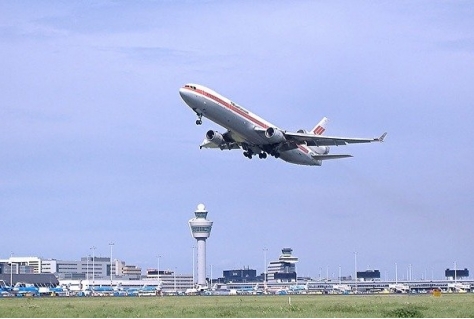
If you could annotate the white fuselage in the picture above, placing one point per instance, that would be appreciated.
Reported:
(241, 123)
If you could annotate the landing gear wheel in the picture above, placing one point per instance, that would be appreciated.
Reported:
(248, 154)
(275, 153)
(199, 120)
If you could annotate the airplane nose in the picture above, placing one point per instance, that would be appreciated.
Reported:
(182, 92)
(186, 95)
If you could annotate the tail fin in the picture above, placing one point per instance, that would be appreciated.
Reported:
(320, 127)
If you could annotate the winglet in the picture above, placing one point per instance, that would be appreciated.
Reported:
(381, 138)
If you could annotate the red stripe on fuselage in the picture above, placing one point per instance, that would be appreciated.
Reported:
(233, 108)
(303, 149)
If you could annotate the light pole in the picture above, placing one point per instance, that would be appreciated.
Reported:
(355, 270)
(194, 282)
(211, 277)
(111, 248)
(455, 273)
(93, 263)
(174, 279)
(158, 272)
(339, 274)
(265, 266)
(396, 273)
(11, 269)
(87, 267)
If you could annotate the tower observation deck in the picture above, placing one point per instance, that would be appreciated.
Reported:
(201, 230)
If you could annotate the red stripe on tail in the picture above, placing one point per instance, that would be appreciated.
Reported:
(319, 130)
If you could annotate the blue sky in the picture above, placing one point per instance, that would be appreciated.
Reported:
(98, 147)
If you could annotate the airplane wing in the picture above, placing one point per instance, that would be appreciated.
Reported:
(322, 140)
(223, 146)
(224, 143)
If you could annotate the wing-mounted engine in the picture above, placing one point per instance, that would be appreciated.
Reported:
(214, 137)
(274, 135)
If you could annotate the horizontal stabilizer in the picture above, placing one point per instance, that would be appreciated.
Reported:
(328, 157)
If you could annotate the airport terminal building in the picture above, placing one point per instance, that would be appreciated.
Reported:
(86, 268)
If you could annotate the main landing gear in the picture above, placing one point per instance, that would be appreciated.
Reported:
(249, 154)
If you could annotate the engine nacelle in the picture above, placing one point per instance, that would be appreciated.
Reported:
(274, 135)
(214, 137)
(302, 131)
(321, 150)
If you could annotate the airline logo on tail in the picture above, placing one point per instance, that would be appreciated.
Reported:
(320, 127)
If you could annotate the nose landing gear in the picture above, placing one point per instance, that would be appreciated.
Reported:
(199, 115)
(199, 120)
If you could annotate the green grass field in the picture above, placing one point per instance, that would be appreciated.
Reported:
(379, 306)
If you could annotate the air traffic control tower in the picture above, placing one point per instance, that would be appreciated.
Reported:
(201, 230)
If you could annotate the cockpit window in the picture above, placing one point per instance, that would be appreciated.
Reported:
(190, 87)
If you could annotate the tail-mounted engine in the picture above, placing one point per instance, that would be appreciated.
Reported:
(321, 150)
(274, 135)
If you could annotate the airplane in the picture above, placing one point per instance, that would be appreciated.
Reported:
(298, 288)
(198, 289)
(4, 288)
(256, 136)
(341, 289)
(103, 290)
(277, 290)
(147, 290)
(60, 290)
(25, 289)
(249, 290)
(399, 288)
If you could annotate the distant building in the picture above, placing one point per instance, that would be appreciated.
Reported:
(284, 269)
(368, 275)
(86, 268)
(170, 280)
(456, 273)
(39, 280)
(240, 275)
(129, 271)
(21, 265)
